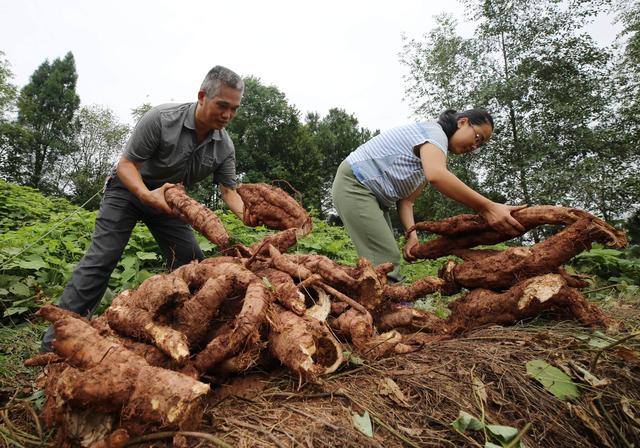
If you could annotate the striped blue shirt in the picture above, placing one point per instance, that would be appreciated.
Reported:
(387, 164)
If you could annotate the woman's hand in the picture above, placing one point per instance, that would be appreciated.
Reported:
(412, 241)
(498, 216)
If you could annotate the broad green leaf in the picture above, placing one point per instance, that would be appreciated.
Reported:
(20, 289)
(13, 311)
(466, 421)
(362, 423)
(553, 379)
(503, 433)
(11, 250)
(35, 263)
(491, 445)
(3, 292)
(128, 274)
(147, 255)
(206, 245)
(129, 261)
(143, 275)
(352, 359)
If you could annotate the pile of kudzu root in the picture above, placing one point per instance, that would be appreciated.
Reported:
(149, 361)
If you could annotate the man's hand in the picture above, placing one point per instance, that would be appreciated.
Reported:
(155, 198)
(412, 240)
(498, 216)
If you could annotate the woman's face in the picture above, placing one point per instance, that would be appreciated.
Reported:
(469, 136)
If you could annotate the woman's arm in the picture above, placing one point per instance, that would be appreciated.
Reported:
(405, 213)
(434, 164)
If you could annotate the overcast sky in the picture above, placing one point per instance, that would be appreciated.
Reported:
(321, 54)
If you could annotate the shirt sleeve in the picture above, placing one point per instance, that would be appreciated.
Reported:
(146, 137)
(225, 173)
(440, 140)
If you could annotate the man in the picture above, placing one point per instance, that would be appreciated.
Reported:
(171, 143)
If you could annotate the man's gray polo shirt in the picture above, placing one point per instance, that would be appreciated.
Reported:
(165, 139)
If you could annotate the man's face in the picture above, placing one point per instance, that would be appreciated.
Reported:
(218, 111)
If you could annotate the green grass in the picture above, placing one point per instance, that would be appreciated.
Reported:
(18, 343)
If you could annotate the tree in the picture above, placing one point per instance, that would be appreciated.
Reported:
(7, 90)
(138, 112)
(273, 145)
(99, 140)
(547, 84)
(8, 134)
(46, 108)
(335, 135)
(443, 72)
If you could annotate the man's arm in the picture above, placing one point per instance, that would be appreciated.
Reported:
(233, 200)
(434, 164)
(129, 174)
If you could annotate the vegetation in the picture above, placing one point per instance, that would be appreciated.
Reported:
(42, 239)
(564, 132)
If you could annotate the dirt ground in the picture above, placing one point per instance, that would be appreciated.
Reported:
(411, 400)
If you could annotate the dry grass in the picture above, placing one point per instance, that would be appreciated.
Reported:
(482, 373)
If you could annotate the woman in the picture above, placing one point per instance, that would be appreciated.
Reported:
(393, 168)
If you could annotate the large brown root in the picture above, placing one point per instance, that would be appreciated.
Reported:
(285, 290)
(288, 264)
(507, 268)
(281, 241)
(526, 299)
(254, 310)
(471, 230)
(413, 319)
(359, 328)
(248, 357)
(196, 274)
(228, 301)
(271, 206)
(110, 378)
(529, 217)
(573, 280)
(200, 217)
(303, 344)
(133, 314)
(417, 289)
(193, 318)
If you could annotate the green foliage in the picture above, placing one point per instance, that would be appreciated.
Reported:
(46, 109)
(553, 379)
(504, 435)
(99, 140)
(23, 206)
(42, 240)
(564, 133)
(611, 265)
(19, 342)
(272, 144)
(335, 135)
(7, 90)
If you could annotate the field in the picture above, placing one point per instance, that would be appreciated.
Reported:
(481, 389)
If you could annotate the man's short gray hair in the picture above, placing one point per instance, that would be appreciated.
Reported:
(220, 76)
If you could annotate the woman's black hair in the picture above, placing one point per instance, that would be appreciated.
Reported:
(448, 119)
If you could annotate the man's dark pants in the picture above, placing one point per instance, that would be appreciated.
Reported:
(119, 212)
